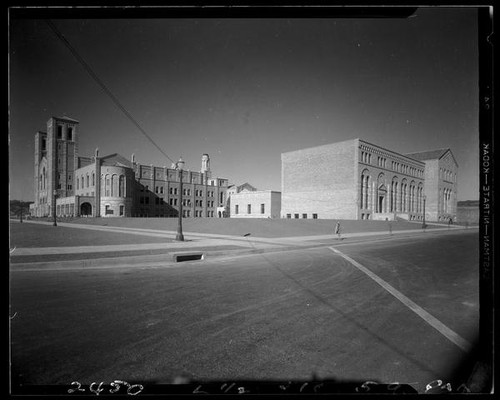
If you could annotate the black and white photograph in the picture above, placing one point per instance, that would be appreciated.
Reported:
(250, 200)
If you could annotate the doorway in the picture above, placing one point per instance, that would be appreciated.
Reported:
(86, 210)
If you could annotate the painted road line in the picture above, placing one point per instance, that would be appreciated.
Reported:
(431, 320)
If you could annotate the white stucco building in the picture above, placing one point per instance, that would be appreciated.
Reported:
(256, 204)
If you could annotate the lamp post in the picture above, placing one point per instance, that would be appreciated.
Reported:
(54, 208)
(180, 236)
(423, 223)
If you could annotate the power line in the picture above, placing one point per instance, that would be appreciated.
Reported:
(94, 76)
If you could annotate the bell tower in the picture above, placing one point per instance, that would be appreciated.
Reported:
(62, 156)
(205, 163)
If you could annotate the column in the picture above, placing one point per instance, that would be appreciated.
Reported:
(367, 192)
(362, 194)
(396, 197)
(412, 198)
(374, 201)
(389, 198)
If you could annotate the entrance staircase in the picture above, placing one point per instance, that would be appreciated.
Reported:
(383, 216)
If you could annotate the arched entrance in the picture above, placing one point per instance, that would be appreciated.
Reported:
(382, 192)
(86, 210)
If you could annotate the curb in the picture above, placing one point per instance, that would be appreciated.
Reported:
(167, 259)
(171, 258)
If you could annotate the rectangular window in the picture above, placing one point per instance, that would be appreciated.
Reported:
(304, 216)
(236, 209)
(146, 200)
(141, 200)
(122, 210)
(249, 208)
(69, 187)
(296, 216)
(70, 133)
(262, 208)
(59, 131)
(315, 216)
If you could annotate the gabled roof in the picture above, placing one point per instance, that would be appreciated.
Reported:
(427, 155)
(431, 155)
(116, 159)
(67, 119)
(246, 186)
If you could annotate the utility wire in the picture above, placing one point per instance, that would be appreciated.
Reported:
(94, 76)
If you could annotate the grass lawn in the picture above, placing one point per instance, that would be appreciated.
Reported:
(257, 227)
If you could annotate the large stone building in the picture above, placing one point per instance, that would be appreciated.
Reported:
(355, 179)
(113, 186)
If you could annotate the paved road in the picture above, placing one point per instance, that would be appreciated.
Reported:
(267, 316)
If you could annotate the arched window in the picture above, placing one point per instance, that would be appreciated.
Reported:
(114, 185)
(93, 178)
(107, 186)
(121, 186)
(364, 190)
(394, 195)
(77, 183)
(402, 196)
(87, 180)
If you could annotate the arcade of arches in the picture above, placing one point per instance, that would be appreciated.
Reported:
(396, 195)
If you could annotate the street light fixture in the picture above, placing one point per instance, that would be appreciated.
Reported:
(423, 223)
(54, 208)
(180, 167)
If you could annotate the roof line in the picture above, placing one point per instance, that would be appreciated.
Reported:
(390, 151)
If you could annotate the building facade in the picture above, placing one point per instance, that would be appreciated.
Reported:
(355, 179)
(256, 204)
(113, 186)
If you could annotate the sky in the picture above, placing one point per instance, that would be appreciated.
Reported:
(245, 90)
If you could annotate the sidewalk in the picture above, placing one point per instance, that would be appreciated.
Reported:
(207, 244)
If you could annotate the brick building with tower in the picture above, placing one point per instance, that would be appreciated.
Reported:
(355, 179)
(112, 185)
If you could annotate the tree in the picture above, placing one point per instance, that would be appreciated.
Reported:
(19, 208)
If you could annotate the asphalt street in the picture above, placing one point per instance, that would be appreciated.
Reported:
(281, 315)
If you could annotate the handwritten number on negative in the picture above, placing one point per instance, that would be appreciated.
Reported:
(78, 389)
(98, 390)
